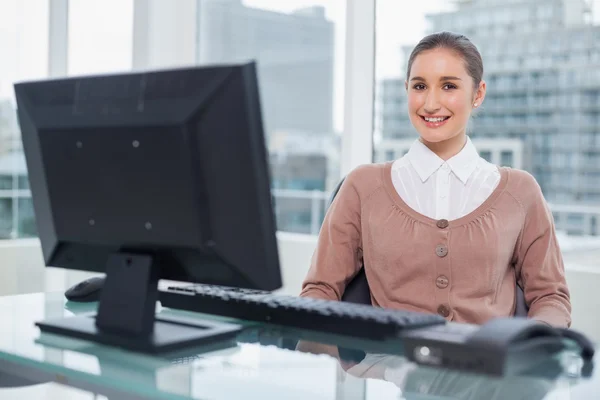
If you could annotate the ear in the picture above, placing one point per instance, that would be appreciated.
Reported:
(479, 94)
(406, 85)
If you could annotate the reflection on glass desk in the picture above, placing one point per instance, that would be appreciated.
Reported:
(264, 362)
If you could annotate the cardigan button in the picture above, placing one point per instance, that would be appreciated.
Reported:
(442, 223)
(442, 282)
(441, 250)
(443, 310)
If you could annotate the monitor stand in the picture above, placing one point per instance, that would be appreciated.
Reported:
(127, 317)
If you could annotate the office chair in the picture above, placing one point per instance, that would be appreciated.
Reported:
(357, 290)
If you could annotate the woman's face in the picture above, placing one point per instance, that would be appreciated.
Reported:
(441, 95)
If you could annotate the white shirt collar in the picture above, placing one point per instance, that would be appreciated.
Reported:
(426, 162)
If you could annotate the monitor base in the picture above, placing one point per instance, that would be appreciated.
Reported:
(127, 317)
(170, 333)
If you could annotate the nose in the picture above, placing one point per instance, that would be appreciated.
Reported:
(432, 103)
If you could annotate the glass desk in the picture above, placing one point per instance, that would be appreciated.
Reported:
(264, 362)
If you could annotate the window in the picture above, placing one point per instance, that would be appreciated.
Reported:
(24, 49)
(299, 48)
(506, 158)
(487, 155)
(575, 219)
(298, 45)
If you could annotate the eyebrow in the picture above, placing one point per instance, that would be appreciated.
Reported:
(443, 78)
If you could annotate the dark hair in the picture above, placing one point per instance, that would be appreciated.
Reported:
(455, 42)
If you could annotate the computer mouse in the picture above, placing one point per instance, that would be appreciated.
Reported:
(86, 291)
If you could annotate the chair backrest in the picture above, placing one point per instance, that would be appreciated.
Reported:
(357, 290)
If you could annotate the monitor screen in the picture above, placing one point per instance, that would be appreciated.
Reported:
(171, 163)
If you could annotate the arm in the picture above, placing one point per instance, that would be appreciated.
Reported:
(540, 267)
(338, 256)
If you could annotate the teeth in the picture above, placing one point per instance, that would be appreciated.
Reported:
(435, 119)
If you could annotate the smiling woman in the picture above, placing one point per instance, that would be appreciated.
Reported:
(442, 230)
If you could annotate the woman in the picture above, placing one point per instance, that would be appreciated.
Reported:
(441, 229)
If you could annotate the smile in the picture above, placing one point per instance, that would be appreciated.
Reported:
(434, 122)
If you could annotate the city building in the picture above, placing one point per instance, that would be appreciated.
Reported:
(10, 138)
(294, 53)
(16, 207)
(304, 168)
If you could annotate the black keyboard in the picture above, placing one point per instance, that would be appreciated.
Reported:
(350, 319)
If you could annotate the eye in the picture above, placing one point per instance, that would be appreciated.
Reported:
(419, 86)
(449, 86)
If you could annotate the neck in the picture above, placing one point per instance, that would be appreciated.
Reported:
(448, 148)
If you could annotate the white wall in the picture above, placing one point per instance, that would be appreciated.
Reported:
(22, 271)
(295, 251)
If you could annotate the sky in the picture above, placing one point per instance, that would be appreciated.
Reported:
(100, 36)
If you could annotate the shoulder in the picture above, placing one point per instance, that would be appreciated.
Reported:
(523, 186)
(368, 178)
(520, 180)
(367, 175)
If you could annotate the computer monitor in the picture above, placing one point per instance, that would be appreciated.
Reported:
(147, 176)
